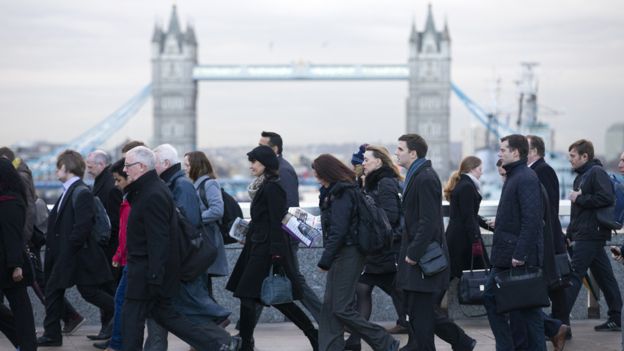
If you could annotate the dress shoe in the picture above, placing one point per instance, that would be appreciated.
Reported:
(397, 329)
(102, 335)
(73, 324)
(559, 339)
(46, 341)
(102, 345)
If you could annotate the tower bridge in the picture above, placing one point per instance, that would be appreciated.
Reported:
(176, 73)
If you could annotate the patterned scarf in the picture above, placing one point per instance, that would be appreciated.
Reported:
(255, 186)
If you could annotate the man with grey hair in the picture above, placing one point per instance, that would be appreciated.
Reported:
(154, 262)
(98, 167)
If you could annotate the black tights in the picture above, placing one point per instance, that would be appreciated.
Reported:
(290, 310)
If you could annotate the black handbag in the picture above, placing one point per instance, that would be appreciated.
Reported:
(520, 288)
(563, 269)
(276, 288)
(472, 284)
(434, 260)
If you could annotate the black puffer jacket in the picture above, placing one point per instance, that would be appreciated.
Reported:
(338, 215)
(596, 192)
(383, 186)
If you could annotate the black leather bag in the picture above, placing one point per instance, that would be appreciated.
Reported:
(472, 284)
(563, 269)
(606, 218)
(434, 260)
(520, 288)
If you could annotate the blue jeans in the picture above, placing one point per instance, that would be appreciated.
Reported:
(531, 319)
(115, 341)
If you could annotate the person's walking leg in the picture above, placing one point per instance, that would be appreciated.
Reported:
(157, 337)
(309, 300)
(446, 329)
(535, 328)
(364, 306)
(247, 322)
(421, 321)
(602, 271)
(498, 322)
(133, 323)
(24, 320)
(116, 339)
(54, 308)
(299, 318)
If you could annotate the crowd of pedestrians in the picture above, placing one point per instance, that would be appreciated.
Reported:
(136, 269)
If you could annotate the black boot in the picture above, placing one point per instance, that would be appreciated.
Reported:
(313, 337)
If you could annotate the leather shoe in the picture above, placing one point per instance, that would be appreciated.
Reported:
(102, 345)
(559, 339)
(397, 329)
(73, 324)
(101, 336)
(46, 341)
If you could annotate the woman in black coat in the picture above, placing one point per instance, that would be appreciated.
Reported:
(342, 260)
(381, 182)
(463, 234)
(15, 272)
(266, 246)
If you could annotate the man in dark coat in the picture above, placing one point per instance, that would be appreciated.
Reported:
(592, 190)
(98, 167)
(518, 241)
(154, 262)
(72, 256)
(422, 206)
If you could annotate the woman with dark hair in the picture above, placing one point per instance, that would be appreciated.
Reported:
(463, 234)
(342, 260)
(199, 169)
(266, 247)
(382, 184)
(15, 271)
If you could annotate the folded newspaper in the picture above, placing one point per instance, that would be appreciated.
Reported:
(239, 229)
(300, 230)
(304, 216)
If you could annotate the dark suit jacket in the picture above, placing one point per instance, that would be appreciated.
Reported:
(152, 240)
(289, 181)
(464, 226)
(72, 256)
(549, 180)
(422, 207)
(104, 188)
(12, 251)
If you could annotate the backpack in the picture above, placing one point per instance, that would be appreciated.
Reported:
(101, 231)
(618, 189)
(231, 211)
(197, 252)
(373, 232)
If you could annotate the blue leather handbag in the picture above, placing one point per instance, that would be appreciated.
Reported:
(276, 288)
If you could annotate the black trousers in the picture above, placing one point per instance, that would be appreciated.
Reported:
(204, 337)
(446, 329)
(591, 254)
(422, 317)
(93, 294)
(18, 323)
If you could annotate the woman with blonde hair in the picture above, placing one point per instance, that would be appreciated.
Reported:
(463, 233)
(382, 184)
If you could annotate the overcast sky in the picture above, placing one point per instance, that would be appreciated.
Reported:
(66, 64)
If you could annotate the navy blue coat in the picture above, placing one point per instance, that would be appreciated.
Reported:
(519, 219)
(549, 180)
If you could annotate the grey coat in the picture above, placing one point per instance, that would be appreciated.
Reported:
(211, 209)
(422, 207)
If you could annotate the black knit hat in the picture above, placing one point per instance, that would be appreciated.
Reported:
(264, 155)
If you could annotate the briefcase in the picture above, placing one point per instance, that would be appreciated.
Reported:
(520, 288)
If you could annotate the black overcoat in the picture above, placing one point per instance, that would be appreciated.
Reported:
(464, 227)
(265, 239)
(548, 177)
(72, 255)
(152, 240)
(12, 251)
(422, 208)
(104, 188)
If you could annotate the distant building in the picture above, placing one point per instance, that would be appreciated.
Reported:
(428, 112)
(614, 141)
(174, 55)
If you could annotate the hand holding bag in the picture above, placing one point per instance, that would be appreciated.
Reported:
(276, 288)
(433, 261)
(472, 284)
(520, 288)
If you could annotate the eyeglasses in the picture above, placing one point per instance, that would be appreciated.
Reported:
(128, 165)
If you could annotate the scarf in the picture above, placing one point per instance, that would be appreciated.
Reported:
(476, 181)
(410, 172)
(253, 188)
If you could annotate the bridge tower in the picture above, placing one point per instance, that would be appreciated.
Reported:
(174, 92)
(428, 112)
